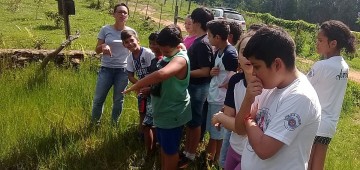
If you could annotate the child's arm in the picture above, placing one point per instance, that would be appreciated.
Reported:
(261, 142)
(201, 72)
(253, 89)
(226, 118)
(132, 78)
(214, 71)
(173, 68)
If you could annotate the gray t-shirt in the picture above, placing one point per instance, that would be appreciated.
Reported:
(119, 53)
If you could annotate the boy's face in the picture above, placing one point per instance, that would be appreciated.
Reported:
(267, 75)
(214, 40)
(168, 51)
(154, 47)
(132, 43)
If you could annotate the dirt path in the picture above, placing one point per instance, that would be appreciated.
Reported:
(354, 75)
(153, 15)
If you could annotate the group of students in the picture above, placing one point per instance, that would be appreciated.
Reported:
(260, 111)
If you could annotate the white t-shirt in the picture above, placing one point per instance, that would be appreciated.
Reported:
(217, 95)
(237, 142)
(141, 65)
(329, 78)
(291, 115)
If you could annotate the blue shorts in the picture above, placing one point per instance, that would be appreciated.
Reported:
(169, 139)
(148, 119)
(215, 132)
(198, 94)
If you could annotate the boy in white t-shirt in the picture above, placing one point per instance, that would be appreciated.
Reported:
(281, 111)
(139, 62)
(226, 64)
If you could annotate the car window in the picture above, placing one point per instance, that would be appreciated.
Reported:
(235, 16)
(216, 13)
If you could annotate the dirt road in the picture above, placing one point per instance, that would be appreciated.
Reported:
(141, 8)
(354, 75)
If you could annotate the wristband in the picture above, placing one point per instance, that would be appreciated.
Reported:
(248, 118)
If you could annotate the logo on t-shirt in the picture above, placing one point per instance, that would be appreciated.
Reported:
(310, 73)
(263, 118)
(343, 75)
(292, 121)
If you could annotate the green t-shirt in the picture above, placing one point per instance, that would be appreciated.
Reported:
(172, 108)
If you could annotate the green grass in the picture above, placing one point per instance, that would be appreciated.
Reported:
(45, 115)
(21, 29)
(45, 122)
(354, 63)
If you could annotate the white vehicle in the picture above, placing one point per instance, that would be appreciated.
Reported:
(235, 16)
(218, 13)
(229, 15)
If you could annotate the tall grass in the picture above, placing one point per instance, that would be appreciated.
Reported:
(45, 114)
(45, 122)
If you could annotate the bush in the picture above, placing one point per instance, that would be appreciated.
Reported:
(56, 17)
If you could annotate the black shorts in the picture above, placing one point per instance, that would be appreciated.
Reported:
(322, 140)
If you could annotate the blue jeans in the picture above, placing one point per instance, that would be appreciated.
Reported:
(215, 133)
(198, 94)
(224, 147)
(108, 77)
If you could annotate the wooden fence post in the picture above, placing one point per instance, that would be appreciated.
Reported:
(188, 11)
(161, 7)
(135, 8)
(176, 12)
(66, 19)
(147, 7)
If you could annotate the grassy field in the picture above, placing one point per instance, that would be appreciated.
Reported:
(45, 115)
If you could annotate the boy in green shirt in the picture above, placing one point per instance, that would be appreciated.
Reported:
(171, 107)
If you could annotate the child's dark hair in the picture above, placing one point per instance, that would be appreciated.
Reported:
(125, 34)
(202, 15)
(269, 43)
(235, 30)
(337, 30)
(219, 27)
(121, 4)
(153, 36)
(256, 27)
(170, 36)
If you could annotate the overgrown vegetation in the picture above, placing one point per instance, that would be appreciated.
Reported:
(45, 115)
(304, 34)
(55, 17)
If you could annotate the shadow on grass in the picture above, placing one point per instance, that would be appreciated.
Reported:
(38, 79)
(47, 27)
(121, 150)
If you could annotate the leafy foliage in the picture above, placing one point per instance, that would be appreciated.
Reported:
(14, 5)
(56, 17)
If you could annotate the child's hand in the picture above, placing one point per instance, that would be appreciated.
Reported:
(145, 91)
(215, 121)
(254, 88)
(106, 49)
(214, 71)
(132, 88)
